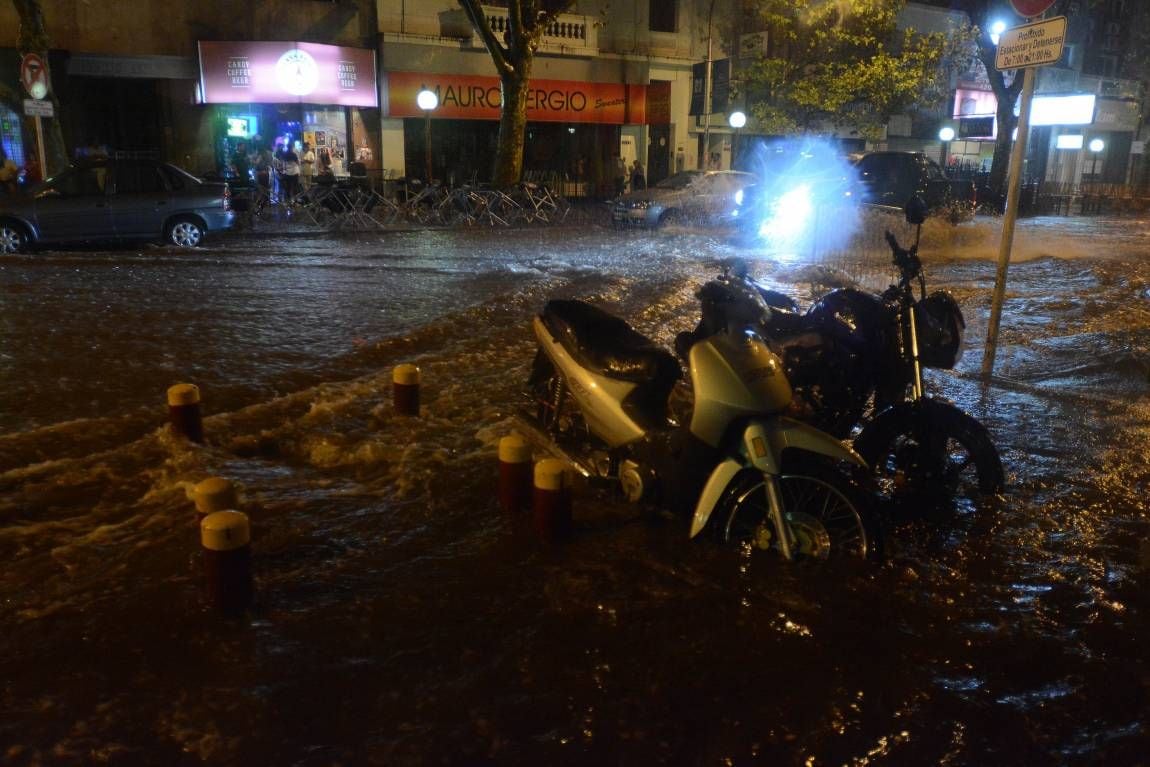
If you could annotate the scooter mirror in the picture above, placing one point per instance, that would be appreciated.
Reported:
(915, 210)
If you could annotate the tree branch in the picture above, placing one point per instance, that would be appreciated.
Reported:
(499, 54)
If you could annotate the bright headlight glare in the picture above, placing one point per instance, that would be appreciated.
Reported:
(739, 197)
(790, 214)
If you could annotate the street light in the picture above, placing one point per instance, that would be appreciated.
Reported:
(427, 101)
(736, 120)
(945, 135)
(1096, 147)
(996, 30)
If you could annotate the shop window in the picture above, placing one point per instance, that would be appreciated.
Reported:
(10, 137)
(663, 15)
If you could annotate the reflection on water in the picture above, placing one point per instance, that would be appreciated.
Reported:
(402, 619)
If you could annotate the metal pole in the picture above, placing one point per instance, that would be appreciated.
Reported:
(427, 143)
(40, 148)
(705, 155)
(1012, 195)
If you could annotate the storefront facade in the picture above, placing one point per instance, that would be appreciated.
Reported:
(574, 127)
(1075, 137)
(269, 94)
(604, 87)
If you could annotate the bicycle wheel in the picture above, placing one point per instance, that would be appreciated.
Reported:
(931, 452)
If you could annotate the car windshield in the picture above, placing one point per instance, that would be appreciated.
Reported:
(679, 180)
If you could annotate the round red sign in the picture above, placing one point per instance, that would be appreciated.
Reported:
(34, 75)
(1031, 8)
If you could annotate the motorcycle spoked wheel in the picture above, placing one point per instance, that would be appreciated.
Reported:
(929, 454)
(828, 514)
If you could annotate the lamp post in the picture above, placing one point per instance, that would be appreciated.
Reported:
(945, 135)
(1096, 147)
(427, 101)
(736, 120)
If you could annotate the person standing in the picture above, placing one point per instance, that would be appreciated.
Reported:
(291, 171)
(306, 166)
(242, 164)
(638, 177)
(620, 175)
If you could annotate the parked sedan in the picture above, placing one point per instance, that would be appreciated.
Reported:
(115, 200)
(692, 196)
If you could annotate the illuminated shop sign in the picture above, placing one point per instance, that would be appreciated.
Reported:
(242, 126)
(1062, 110)
(279, 72)
(467, 97)
(970, 105)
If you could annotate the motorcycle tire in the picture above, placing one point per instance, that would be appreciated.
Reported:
(930, 452)
(830, 513)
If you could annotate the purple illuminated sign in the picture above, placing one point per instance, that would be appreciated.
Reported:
(278, 72)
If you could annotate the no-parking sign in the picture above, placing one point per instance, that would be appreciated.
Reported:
(1031, 8)
(34, 75)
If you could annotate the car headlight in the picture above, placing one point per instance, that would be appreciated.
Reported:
(739, 197)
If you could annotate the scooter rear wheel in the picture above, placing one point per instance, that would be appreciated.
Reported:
(828, 514)
(551, 401)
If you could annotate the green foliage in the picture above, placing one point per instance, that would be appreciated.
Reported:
(843, 62)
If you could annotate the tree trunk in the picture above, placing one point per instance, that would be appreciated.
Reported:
(34, 39)
(1003, 145)
(508, 168)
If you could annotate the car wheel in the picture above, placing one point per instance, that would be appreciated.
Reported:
(13, 238)
(185, 233)
(670, 216)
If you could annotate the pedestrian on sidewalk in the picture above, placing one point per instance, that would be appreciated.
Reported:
(638, 177)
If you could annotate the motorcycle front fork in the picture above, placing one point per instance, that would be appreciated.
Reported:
(911, 333)
(778, 519)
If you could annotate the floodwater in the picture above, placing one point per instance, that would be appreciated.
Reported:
(402, 619)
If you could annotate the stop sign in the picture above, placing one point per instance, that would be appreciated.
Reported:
(1031, 8)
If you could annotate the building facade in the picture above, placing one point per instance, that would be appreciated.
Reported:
(186, 81)
(611, 80)
(127, 76)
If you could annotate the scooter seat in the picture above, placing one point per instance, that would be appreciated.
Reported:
(607, 345)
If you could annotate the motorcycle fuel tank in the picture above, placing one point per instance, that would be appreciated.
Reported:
(852, 317)
(734, 375)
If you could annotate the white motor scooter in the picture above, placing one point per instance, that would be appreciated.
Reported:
(740, 468)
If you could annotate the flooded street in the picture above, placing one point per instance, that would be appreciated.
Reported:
(402, 619)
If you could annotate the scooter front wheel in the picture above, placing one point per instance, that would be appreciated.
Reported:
(828, 515)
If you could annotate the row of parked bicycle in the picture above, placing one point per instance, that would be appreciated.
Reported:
(358, 204)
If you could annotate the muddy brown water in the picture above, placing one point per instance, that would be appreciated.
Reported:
(403, 619)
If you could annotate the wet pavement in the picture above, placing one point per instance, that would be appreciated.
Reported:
(401, 618)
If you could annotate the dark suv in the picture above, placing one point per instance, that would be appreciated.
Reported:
(891, 178)
(116, 199)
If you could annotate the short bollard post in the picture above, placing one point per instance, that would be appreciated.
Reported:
(184, 412)
(551, 501)
(226, 540)
(214, 494)
(405, 381)
(514, 473)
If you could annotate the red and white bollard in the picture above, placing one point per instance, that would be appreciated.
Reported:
(405, 380)
(551, 500)
(184, 412)
(214, 494)
(226, 540)
(514, 473)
